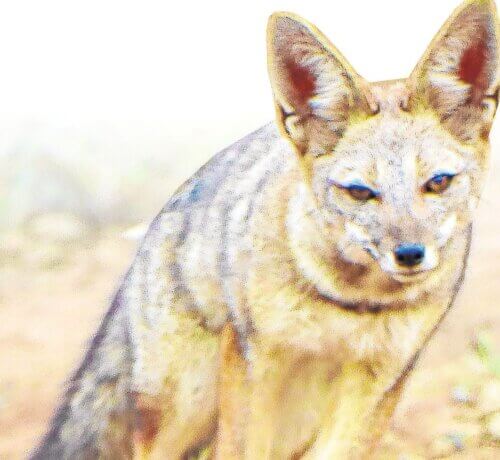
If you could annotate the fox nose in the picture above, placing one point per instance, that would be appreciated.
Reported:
(409, 255)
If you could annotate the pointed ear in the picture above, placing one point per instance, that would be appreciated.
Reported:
(315, 89)
(458, 74)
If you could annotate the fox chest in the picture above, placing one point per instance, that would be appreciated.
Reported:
(305, 402)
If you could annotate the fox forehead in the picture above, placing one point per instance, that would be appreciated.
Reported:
(409, 144)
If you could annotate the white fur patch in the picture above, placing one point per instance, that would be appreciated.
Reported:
(446, 229)
(354, 244)
(356, 233)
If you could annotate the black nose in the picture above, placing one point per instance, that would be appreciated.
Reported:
(409, 255)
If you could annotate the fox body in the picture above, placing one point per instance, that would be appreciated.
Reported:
(283, 294)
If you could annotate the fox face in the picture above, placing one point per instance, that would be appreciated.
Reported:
(395, 168)
(396, 189)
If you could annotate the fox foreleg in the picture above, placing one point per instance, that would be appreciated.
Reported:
(362, 405)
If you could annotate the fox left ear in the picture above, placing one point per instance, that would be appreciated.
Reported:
(458, 74)
(315, 88)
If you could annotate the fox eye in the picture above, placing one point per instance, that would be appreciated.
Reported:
(439, 183)
(360, 192)
(356, 190)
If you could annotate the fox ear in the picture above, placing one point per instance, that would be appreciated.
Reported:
(458, 75)
(315, 89)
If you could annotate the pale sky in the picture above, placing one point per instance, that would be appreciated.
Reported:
(184, 61)
(126, 99)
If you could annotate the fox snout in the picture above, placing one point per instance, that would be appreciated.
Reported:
(410, 261)
(409, 255)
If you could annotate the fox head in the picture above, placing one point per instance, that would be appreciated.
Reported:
(395, 168)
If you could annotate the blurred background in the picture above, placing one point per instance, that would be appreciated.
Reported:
(106, 107)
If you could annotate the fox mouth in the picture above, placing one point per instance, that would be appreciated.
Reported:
(409, 276)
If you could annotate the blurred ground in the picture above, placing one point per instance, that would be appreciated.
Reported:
(57, 276)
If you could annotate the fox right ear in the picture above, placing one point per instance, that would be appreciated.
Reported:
(458, 75)
(315, 88)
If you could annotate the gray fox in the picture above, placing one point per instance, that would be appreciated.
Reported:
(281, 298)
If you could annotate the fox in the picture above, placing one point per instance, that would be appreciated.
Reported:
(279, 301)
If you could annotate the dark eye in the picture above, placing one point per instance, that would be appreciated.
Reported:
(439, 183)
(360, 192)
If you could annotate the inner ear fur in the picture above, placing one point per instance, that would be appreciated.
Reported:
(315, 89)
(458, 74)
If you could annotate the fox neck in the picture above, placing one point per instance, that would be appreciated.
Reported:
(349, 285)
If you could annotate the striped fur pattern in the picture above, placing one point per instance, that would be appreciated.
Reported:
(266, 315)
